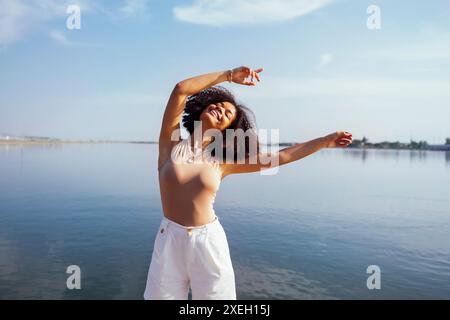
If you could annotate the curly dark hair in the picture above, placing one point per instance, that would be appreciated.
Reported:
(244, 120)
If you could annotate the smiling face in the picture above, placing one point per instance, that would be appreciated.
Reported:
(218, 115)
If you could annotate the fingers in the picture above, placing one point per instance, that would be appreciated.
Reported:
(340, 139)
(256, 75)
(247, 69)
(344, 135)
(343, 142)
(249, 77)
(344, 138)
(253, 76)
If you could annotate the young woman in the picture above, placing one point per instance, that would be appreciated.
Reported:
(191, 248)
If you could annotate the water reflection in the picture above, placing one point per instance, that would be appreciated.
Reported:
(269, 282)
(364, 154)
(418, 155)
(308, 232)
(415, 156)
(357, 153)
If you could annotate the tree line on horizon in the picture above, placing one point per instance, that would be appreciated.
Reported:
(364, 143)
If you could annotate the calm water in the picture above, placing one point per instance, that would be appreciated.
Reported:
(308, 232)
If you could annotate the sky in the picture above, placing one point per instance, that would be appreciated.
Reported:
(325, 67)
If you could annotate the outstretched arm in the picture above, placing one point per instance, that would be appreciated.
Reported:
(339, 139)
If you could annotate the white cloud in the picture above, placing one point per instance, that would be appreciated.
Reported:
(13, 23)
(20, 17)
(135, 8)
(325, 59)
(54, 8)
(232, 12)
(60, 38)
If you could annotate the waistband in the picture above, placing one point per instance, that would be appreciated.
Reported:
(166, 221)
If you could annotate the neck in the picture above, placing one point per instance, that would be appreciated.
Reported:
(199, 141)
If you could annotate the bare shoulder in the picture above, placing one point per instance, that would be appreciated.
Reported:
(165, 150)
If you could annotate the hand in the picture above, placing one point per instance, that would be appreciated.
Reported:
(240, 75)
(338, 139)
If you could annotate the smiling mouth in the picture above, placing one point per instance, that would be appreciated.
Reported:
(215, 113)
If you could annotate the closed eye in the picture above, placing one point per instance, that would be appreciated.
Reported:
(228, 113)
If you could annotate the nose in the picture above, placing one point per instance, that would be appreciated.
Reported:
(221, 111)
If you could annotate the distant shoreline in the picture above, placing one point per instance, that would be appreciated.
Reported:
(46, 142)
(13, 142)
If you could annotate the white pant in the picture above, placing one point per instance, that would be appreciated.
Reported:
(198, 257)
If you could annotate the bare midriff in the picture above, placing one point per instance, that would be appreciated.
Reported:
(188, 185)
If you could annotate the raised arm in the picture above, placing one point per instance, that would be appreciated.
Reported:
(177, 100)
(339, 139)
